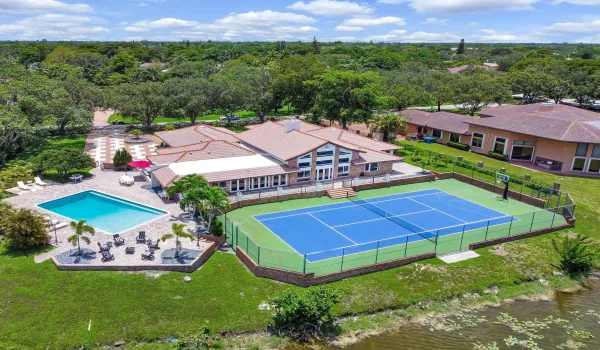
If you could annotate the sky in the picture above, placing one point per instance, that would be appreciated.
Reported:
(508, 21)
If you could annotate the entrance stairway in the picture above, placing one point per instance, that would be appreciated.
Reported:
(337, 193)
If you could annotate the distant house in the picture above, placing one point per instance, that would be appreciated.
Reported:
(467, 66)
(159, 65)
(492, 66)
(551, 137)
(442, 125)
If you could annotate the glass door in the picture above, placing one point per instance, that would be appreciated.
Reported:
(324, 174)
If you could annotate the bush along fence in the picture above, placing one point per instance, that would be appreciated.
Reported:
(327, 266)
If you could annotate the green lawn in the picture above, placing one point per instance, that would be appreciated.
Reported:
(268, 249)
(42, 308)
(243, 114)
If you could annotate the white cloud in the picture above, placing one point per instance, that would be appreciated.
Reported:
(365, 22)
(573, 27)
(291, 29)
(494, 36)
(29, 6)
(404, 36)
(52, 26)
(264, 18)
(343, 28)
(577, 2)
(340, 38)
(382, 37)
(456, 6)
(332, 8)
(163, 23)
(433, 20)
(472, 24)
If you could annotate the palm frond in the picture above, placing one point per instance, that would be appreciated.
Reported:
(167, 236)
(86, 239)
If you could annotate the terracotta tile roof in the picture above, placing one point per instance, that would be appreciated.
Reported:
(375, 157)
(195, 134)
(271, 138)
(445, 121)
(249, 173)
(206, 150)
(559, 122)
(165, 176)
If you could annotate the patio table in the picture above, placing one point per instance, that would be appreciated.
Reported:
(130, 250)
(76, 178)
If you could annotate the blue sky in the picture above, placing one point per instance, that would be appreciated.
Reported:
(329, 20)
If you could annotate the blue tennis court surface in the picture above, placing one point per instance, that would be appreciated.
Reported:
(329, 231)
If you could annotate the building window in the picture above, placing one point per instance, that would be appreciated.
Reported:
(596, 151)
(344, 160)
(259, 182)
(594, 166)
(522, 150)
(304, 165)
(582, 150)
(304, 175)
(279, 180)
(477, 140)
(306, 156)
(238, 185)
(372, 167)
(345, 152)
(578, 164)
(437, 133)
(324, 162)
(343, 170)
(454, 137)
(500, 145)
(325, 154)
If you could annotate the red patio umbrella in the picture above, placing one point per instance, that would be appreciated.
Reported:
(140, 164)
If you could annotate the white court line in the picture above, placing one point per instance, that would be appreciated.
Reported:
(338, 232)
(339, 207)
(384, 218)
(441, 211)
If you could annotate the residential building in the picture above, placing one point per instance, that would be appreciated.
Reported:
(551, 137)
(268, 155)
(468, 66)
(442, 125)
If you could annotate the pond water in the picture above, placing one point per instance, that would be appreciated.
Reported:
(574, 318)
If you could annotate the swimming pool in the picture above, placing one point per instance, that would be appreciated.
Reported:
(102, 211)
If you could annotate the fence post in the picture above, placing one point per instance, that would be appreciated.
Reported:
(258, 255)
(472, 175)
(510, 226)
(532, 220)
(237, 235)
(553, 216)
(377, 253)
(406, 246)
(304, 268)
(462, 237)
(487, 229)
(342, 265)
(247, 244)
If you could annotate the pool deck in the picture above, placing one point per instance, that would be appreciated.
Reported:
(108, 182)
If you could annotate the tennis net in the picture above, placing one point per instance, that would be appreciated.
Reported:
(431, 236)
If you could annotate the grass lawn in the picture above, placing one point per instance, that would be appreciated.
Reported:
(243, 114)
(42, 308)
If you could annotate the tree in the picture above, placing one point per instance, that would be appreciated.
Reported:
(143, 101)
(191, 98)
(122, 61)
(477, 90)
(402, 96)
(531, 82)
(316, 46)
(389, 124)
(461, 47)
(63, 161)
(23, 228)
(557, 89)
(583, 87)
(186, 184)
(178, 232)
(121, 158)
(292, 78)
(439, 85)
(578, 256)
(80, 228)
(305, 314)
(216, 199)
(347, 96)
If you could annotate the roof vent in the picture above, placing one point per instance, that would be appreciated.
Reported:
(290, 125)
(546, 107)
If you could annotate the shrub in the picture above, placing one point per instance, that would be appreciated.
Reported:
(305, 314)
(216, 228)
(24, 229)
(498, 156)
(577, 255)
(136, 133)
(169, 127)
(62, 161)
(121, 158)
(460, 146)
(202, 340)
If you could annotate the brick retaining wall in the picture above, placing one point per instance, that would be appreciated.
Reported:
(500, 240)
(309, 279)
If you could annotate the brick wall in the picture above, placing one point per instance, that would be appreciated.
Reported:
(309, 279)
(384, 168)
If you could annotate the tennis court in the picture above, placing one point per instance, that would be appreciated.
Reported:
(360, 225)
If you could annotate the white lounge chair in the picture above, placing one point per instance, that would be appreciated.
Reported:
(23, 186)
(126, 180)
(39, 181)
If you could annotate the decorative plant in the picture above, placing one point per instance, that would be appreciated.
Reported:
(178, 232)
(81, 228)
(136, 133)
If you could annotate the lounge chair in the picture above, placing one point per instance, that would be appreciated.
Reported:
(118, 240)
(39, 181)
(103, 248)
(153, 245)
(126, 180)
(23, 186)
(149, 256)
(106, 256)
(141, 238)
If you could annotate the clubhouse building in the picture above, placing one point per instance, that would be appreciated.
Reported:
(272, 154)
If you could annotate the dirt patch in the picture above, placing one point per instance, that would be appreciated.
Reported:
(151, 275)
(499, 250)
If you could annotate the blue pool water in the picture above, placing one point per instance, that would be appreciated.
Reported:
(104, 212)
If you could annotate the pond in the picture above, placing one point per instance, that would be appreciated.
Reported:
(568, 322)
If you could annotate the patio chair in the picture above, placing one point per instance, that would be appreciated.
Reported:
(141, 238)
(39, 181)
(103, 248)
(22, 186)
(118, 240)
(153, 245)
(149, 256)
(106, 256)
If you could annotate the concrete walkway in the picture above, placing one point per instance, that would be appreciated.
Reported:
(101, 117)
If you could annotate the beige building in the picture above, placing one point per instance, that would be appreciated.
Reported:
(442, 125)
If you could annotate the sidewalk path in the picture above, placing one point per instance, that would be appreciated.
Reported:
(101, 117)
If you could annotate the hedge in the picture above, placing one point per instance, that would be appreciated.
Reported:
(498, 156)
(460, 146)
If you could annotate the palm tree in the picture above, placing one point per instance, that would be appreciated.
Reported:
(187, 183)
(216, 199)
(389, 125)
(81, 228)
(22, 228)
(177, 233)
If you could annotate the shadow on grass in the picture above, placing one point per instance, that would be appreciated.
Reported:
(7, 251)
